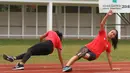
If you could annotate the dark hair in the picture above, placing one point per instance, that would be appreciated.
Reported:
(59, 34)
(115, 40)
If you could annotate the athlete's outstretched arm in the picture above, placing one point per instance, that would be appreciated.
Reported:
(110, 62)
(104, 19)
(60, 57)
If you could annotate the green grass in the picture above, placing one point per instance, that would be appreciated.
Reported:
(70, 47)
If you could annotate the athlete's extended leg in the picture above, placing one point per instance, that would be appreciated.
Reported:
(8, 58)
(24, 57)
(20, 56)
(42, 48)
(79, 55)
(12, 58)
(72, 60)
(67, 68)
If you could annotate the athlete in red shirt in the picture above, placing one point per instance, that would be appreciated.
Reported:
(101, 43)
(44, 47)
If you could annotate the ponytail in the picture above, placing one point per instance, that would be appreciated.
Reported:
(59, 34)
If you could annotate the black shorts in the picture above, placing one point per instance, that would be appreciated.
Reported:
(82, 52)
(42, 48)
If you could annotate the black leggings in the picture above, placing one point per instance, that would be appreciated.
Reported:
(42, 48)
(82, 52)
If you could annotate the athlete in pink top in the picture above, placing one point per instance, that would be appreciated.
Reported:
(52, 40)
(101, 43)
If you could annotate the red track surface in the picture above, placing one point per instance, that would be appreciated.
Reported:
(82, 67)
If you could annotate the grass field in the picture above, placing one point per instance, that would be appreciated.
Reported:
(70, 47)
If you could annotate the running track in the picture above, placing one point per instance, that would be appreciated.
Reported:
(80, 67)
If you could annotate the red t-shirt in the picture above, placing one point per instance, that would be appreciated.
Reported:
(52, 35)
(99, 44)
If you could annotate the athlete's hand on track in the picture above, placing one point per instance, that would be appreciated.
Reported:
(116, 69)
